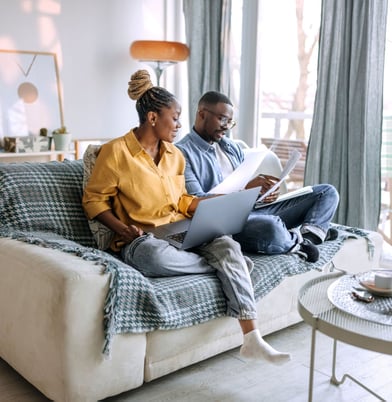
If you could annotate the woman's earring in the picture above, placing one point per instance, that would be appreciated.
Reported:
(153, 123)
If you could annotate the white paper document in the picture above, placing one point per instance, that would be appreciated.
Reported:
(242, 175)
(294, 158)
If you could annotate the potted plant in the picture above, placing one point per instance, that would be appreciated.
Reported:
(62, 139)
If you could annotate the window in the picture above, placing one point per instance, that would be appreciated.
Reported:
(288, 68)
(286, 46)
(386, 149)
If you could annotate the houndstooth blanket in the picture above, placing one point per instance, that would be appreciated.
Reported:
(138, 304)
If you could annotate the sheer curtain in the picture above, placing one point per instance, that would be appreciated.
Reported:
(207, 26)
(345, 138)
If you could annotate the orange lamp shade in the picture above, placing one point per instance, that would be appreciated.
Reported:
(156, 50)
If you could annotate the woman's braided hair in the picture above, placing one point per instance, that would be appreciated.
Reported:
(149, 98)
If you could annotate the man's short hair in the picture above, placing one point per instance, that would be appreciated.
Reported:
(214, 97)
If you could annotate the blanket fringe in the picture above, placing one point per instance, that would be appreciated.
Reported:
(109, 309)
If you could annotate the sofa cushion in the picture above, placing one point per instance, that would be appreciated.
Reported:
(137, 304)
(44, 197)
(102, 234)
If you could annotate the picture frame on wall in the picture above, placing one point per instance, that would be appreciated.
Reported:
(30, 93)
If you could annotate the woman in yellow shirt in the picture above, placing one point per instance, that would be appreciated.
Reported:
(138, 180)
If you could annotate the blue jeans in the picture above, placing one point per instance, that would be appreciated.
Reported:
(157, 258)
(269, 230)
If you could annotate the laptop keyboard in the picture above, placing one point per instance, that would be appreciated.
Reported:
(178, 237)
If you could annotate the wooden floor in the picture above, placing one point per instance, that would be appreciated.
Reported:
(227, 378)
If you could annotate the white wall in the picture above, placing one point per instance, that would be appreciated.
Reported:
(91, 39)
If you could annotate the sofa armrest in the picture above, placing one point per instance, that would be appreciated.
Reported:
(51, 332)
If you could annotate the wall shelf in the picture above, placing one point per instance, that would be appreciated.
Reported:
(44, 156)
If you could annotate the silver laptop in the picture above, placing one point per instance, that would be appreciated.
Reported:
(214, 217)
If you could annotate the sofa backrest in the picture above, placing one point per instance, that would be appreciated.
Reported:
(45, 197)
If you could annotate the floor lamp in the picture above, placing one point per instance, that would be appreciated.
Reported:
(159, 54)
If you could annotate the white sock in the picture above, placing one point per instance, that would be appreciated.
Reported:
(255, 347)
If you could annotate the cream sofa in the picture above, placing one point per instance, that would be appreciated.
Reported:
(52, 303)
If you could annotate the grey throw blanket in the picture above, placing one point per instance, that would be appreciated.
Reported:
(138, 304)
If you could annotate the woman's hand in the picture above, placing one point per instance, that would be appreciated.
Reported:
(195, 202)
(129, 233)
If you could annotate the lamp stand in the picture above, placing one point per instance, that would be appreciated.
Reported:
(159, 67)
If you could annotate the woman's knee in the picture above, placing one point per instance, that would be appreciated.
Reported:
(145, 251)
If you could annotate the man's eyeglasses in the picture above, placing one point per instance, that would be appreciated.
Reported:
(223, 120)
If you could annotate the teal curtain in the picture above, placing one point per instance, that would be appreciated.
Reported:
(207, 25)
(346, 133)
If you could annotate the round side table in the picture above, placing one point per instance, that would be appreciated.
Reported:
(316, 309)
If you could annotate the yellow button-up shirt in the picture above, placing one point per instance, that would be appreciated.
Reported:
(126, 180)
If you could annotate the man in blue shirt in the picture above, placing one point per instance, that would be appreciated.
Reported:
(295, 225)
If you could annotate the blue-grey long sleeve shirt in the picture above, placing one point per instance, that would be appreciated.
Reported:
(202, 171)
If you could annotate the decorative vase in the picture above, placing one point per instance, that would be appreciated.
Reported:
(62, 141)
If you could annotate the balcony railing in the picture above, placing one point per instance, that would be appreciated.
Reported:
(278, 118)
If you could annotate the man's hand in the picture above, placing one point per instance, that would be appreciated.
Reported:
(266, 182)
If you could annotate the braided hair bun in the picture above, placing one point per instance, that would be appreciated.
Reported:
(149, 98)
(139, 84)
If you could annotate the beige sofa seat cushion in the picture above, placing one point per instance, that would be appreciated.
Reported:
(170, 351)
